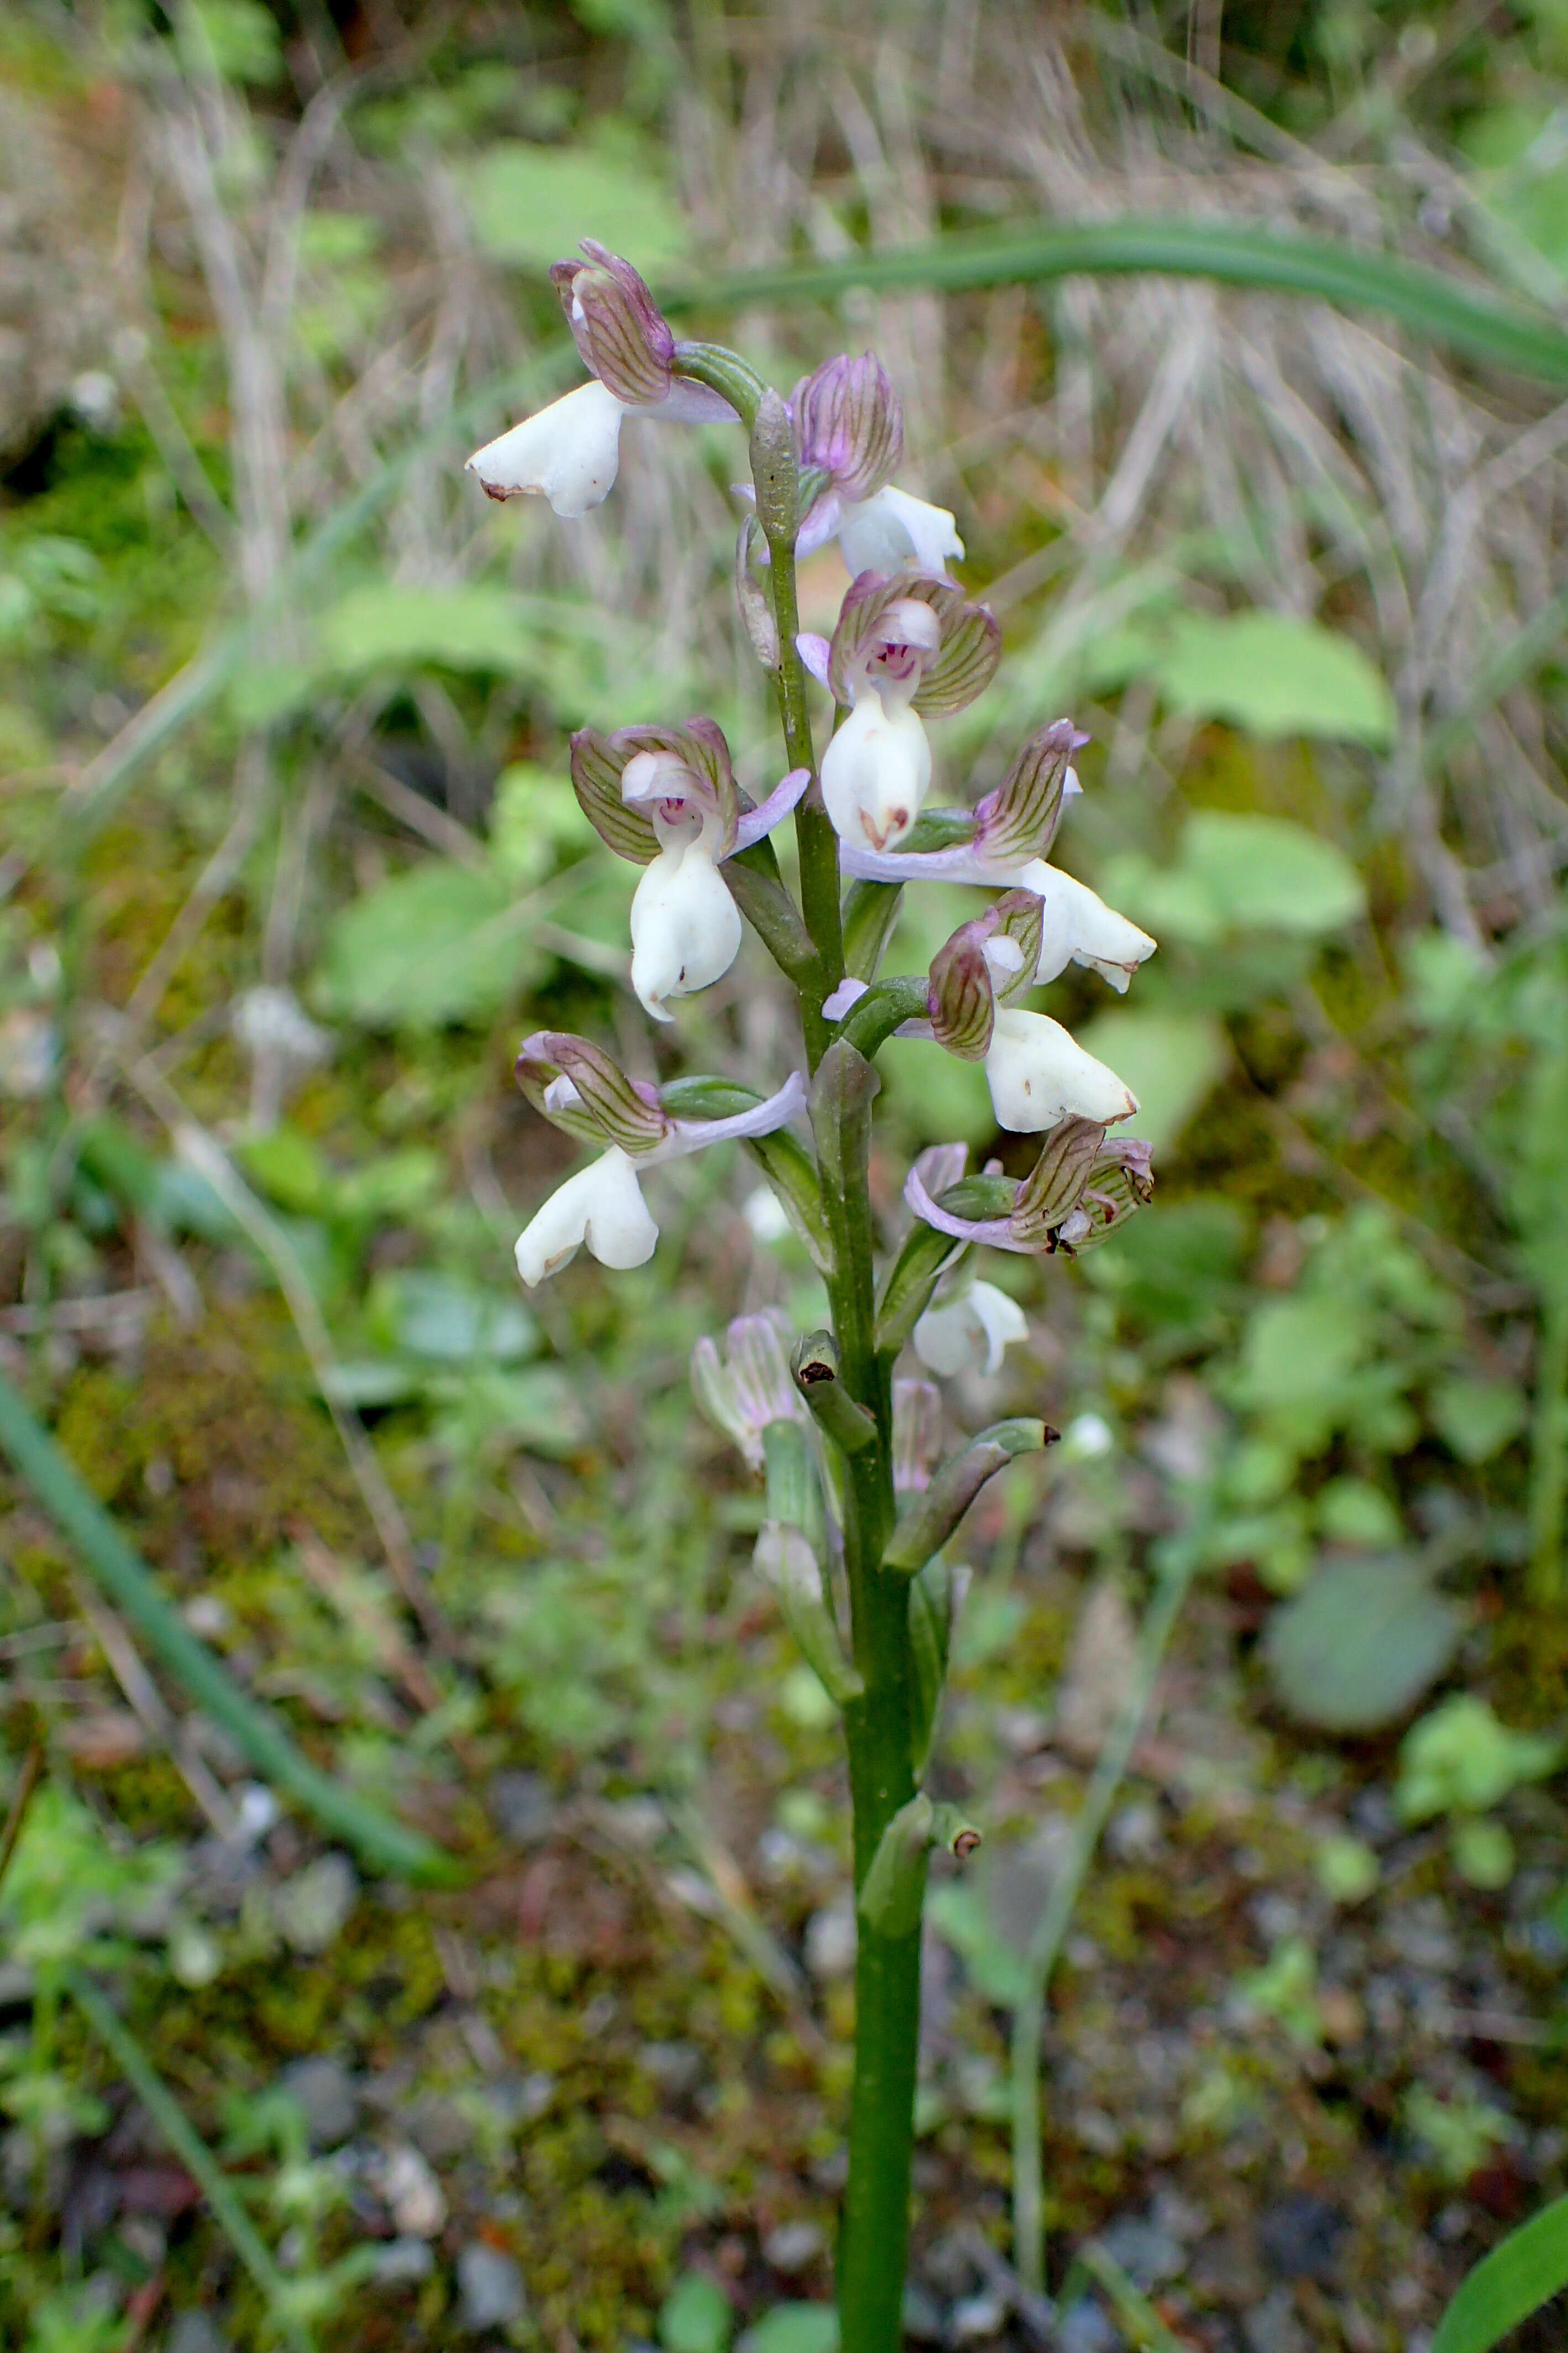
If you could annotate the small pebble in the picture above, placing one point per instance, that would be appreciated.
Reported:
(1087, 2327)
(416, 2200)
(327, 2097)
(1301, 2238)
(1272, 2326)
(313, 1907)
(489, 2287)
(922, 2315)
(193, 2332)
(830, 1942)
(973, 2317)
(402, 2262)
(523, 1806)
(1147, 2254)
(793, 2246)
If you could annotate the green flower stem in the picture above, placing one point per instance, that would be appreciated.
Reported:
(383, 1842)
(872, 1018)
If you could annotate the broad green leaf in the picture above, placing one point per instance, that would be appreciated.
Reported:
(441, 1317)
(435, 945)
(1298, 1352)
(1475, 1418)
(1170, 1060)
(1274, 675)
(1358, 1648)
(696, 2315)
(793, 2329)
(384, 627)
(1264, 873)
(531, 204)
(1460, 1759)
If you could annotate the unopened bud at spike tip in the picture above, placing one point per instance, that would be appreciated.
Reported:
(850, 424)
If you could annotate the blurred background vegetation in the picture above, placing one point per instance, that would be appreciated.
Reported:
(289, 862)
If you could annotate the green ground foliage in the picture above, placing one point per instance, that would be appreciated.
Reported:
(289, 865)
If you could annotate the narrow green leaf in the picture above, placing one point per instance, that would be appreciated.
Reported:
(1515, 2280)
(385, 1844)
(1432, 304)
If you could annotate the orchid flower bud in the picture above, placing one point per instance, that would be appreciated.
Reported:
(621, 334)
(575, 1084)
(601, 1205)
(970, 1331)
(849, 424)
(1053, 1190)
(917, 1435)
(876, 773)
(750, 1386)
(1037, 1075)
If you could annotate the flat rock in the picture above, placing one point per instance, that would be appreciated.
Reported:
(327, 2099)
(489, 2287)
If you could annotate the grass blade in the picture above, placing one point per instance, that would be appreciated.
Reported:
(1433, 305)
(1516, 2279)
(386, 1845)
(190, 2148)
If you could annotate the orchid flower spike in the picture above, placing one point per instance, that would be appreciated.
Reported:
(970, 1330)
(1081, 1187)
(903, 645)
(666, 797)
(577, 1086)
(569, 452)
(750, 1385)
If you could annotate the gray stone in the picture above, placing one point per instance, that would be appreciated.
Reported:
(793, 2246)
(1301, 2238)
(1087, 2327)
(922, 2315)
(1147, 2254)
(489, 2287)
(327, 2099)
(403, 2262)
(675, 2067)
(523, 1806)
(973, 2317)
(313, 1908)
(193, 2332)
(1272, 2327)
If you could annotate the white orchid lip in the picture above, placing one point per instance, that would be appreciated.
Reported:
(685, 927)
(876, 773)
(894, 529)
(1038, 1075)
(569, 452)
(602, 1207)
(971, 1329)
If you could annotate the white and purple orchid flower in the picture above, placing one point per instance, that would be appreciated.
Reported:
(904, 645)
(570, 451)
(1081, 1189)
(577, 1086)
(1003, 845)
(666, 798)
(849, 428)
